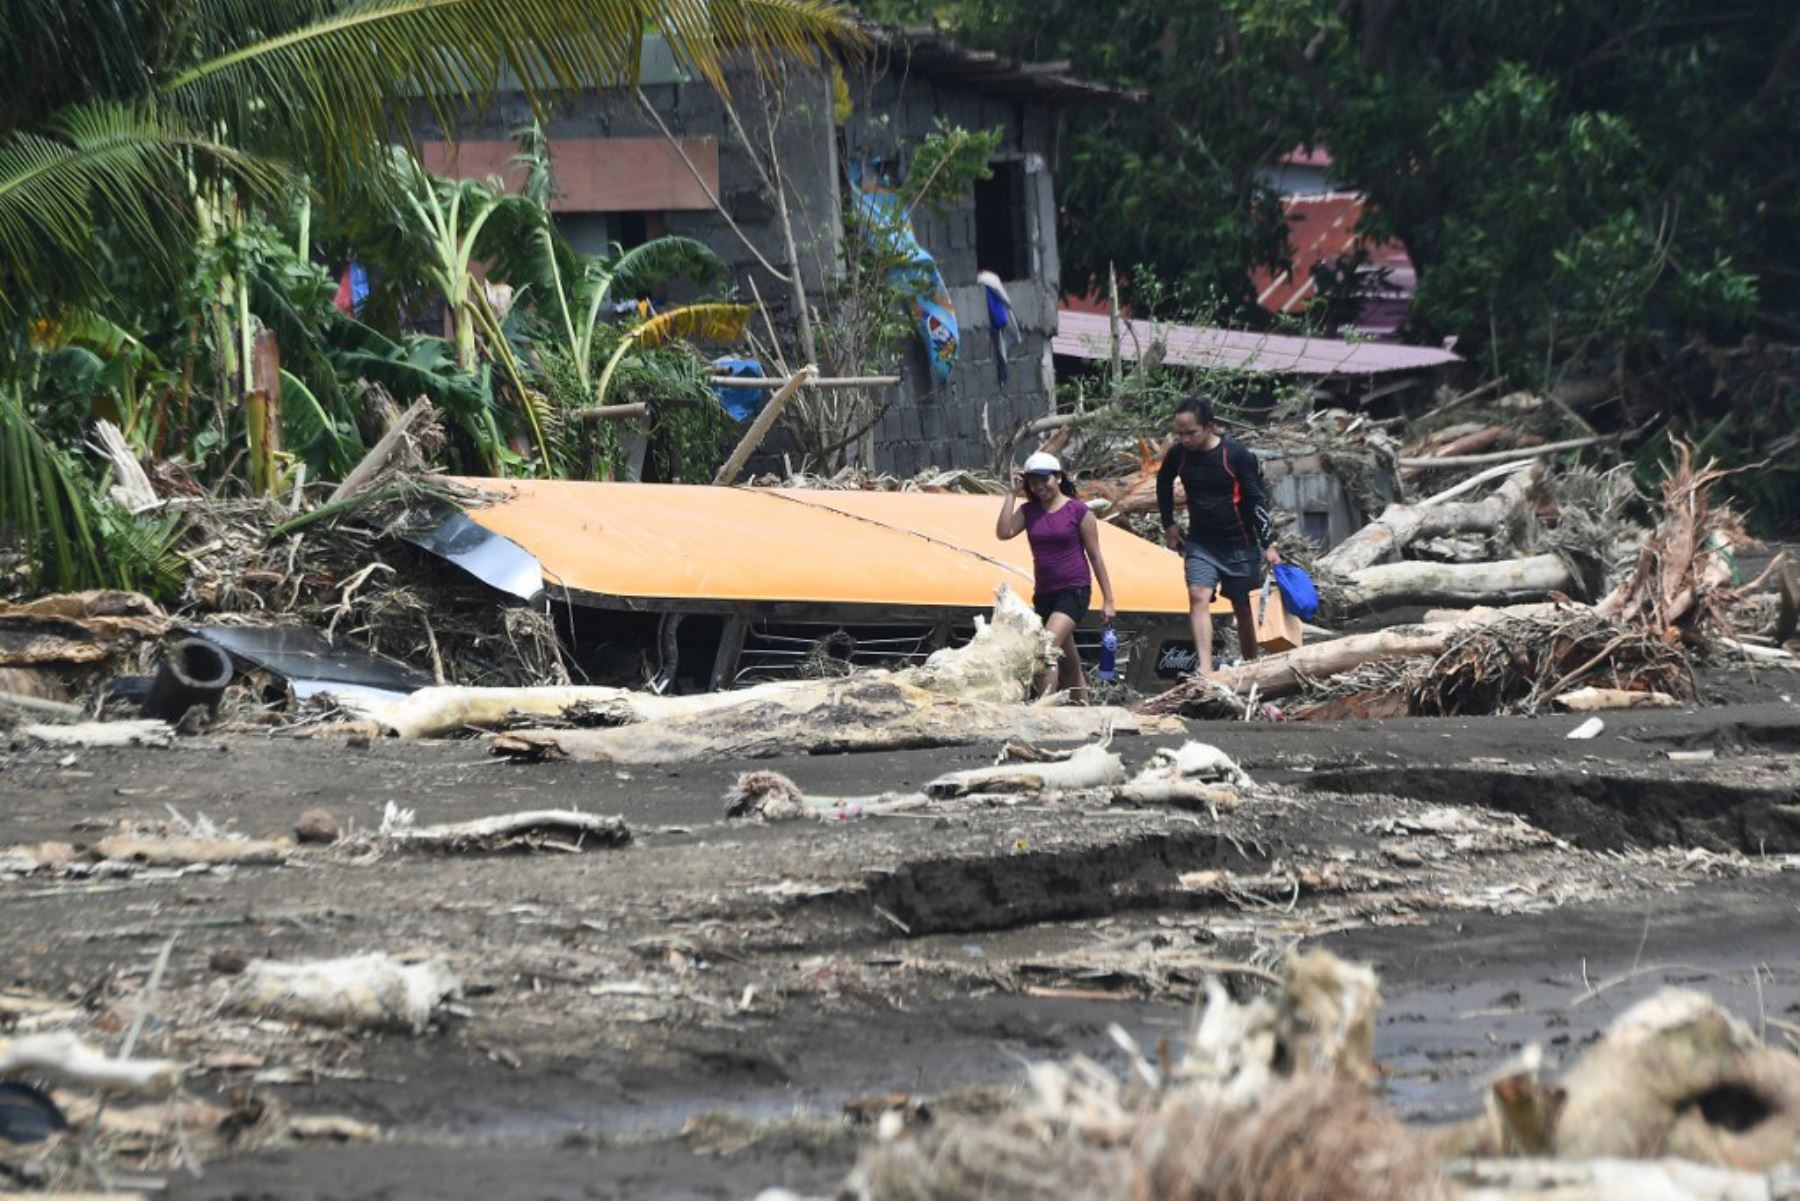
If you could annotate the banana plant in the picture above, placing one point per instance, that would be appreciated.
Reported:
(697, 322)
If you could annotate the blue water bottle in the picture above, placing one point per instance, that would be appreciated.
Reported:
(1109, 655)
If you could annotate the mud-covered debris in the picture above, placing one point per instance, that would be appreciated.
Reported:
(1194, 775)
(370, 992)
(64, 1056)
(1091, 766)
(175, 851)
(537, 829)
(767, 796)
(140, 732)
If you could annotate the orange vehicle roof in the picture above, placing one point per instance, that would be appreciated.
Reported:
(698, 542)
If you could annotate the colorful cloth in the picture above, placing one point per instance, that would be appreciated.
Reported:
(886, 224)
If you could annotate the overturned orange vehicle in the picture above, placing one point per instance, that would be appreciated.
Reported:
(698, 587)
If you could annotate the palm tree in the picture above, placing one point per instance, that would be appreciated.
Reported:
(117, 111)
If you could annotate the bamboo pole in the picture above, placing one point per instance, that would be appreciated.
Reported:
(823, 381)
(1451, 462)
(765, 421)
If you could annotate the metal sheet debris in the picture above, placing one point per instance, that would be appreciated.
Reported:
(492, 558)
(311, 665)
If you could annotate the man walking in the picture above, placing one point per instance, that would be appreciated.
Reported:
(1230, 536)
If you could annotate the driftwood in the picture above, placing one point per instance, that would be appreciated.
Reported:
(566, 828)
(1090, 767)
(1591, 699)
(1390, 584)
(447, 709)
(1399, 524)
(371, 464)
(179, 852)
(828, 716)
(134, 732)
(1284, 674)
(372, 992)
(38, 705)
(66, 1057)
(998, 664)
(133, 491)
(1449, 462)
(1614, 1180)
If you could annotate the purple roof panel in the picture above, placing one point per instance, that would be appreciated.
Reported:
(1088, 336)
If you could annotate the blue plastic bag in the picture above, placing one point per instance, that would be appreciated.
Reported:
(1298, 595)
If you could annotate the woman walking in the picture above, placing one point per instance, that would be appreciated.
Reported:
(1065, 543)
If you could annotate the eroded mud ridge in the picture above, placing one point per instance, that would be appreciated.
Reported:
(717, 1006)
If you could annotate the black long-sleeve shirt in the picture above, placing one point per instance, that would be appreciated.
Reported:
(1228, 506)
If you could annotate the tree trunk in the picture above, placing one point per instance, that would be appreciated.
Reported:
(1279, 675)
(1399, 525)
(1507, 581)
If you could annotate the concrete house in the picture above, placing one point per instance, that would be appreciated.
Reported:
(764, 177)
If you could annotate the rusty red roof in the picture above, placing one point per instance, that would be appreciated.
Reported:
(1322, 229)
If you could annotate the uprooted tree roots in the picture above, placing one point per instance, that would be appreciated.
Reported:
(1271, 1100)
(1521, 664)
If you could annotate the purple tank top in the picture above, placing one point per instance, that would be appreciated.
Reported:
(1058, 558)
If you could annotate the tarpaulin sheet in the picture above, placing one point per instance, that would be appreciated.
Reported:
(698, 542)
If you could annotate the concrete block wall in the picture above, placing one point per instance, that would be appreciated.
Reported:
(927, 424)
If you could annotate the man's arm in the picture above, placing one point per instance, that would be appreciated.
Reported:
(1165, 489)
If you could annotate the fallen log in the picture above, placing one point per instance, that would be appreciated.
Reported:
(1283, 675)
(1399, 524)
(447, 709)
(38, 705)
(179, 852)
(1591, 699)
(66, 1057)
(998, 665)
(824, 717)
(367, 992)
(1389, 584)
(137, 732)
(568, 828)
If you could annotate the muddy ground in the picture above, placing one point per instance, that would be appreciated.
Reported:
(688, 1016)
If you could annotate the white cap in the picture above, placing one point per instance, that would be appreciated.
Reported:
(1042, 462)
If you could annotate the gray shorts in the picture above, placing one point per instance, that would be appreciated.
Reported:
(1236, 572)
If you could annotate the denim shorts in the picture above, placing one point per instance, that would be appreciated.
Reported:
(1235, 572)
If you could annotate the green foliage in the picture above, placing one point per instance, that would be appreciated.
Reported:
(1573, 182)
(946, 163)
(45, 509)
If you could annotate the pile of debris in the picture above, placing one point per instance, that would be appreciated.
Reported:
(1516, 563)
(1273, 1098)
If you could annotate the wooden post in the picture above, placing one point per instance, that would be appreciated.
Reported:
(262, 412)
(765, 421)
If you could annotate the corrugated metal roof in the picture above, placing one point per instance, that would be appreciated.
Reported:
(1088, 336)
(929, 52)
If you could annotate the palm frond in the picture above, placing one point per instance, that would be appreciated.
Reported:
(338, 82)
(45, 506)
(127, 166)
